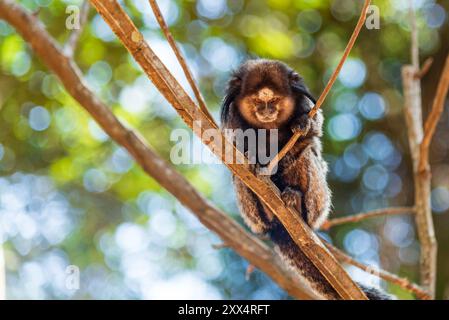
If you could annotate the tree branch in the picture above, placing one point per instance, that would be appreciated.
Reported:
(422, 178)
(388, 276)
(70, 46)
(246, 245)
(434, 117)
(307, 241)
(181, 60)
(367, 215)
(328, 87)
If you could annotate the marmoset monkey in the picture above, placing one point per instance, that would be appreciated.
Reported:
(265, 94)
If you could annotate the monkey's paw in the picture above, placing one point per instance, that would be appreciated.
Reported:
(292, 198)
(302, 125)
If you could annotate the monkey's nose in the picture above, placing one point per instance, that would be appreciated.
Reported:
(266, 108)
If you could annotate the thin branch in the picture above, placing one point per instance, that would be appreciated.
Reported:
(414, 48)
(367, 215)
(164, 27)
(304, 237)
(434, 116)
(425, 68)
(246, 245)
(388, 276)
(70, 45)
(421, 178)
(328, 87)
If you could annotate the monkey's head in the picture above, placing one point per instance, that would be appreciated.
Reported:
(266, 94)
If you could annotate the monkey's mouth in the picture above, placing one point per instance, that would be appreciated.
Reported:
(267, 117)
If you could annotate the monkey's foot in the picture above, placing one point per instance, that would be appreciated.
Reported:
(292, 198)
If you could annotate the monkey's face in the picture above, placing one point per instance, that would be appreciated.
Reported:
(265, 108)
(267, 94)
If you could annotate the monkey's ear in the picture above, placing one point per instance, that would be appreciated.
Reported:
(234, 87)
(235, 82)
(300, 89)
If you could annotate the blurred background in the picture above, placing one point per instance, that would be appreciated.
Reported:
(71, 196)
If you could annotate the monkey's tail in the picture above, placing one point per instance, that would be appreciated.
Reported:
(302, 266)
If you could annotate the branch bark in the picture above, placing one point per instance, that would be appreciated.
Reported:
(367, 215)
(422, 178)
(246, 245)
(308, 242)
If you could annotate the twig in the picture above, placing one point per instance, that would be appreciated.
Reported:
(434, 116)
(326, 90)
(425, 68)
(220, 246)
(388, 276)
(180, 57)
(367, 215)
(246, 245)
(421, 178)
(304, 237)
(70, 45)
